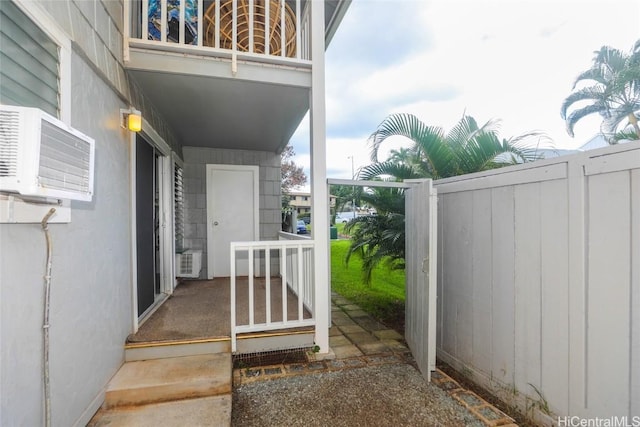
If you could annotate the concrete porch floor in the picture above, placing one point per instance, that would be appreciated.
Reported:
(200, 309)
(368, 360)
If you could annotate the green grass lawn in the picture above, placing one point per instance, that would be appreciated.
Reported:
(383, 299)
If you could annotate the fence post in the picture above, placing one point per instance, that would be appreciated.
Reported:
(577, 326)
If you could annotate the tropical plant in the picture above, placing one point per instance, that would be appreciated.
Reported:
(611, 88)
(466, 148)
(379, 238)
(435, 154)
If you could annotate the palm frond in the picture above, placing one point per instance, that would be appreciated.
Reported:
(385, 200)
(576, 115)
(394, 171)
(592, 93)
(594, 74)
(615, 93)
(610, 59)
(461, 132)
(376, 239)
(617, 116)
(428, 140)
(624, 135)
(528, 145)
(406, 125)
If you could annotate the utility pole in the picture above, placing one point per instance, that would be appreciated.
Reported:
(353, 189)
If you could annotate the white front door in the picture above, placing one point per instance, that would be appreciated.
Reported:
(232, 215)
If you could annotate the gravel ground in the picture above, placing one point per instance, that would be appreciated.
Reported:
(384, 395)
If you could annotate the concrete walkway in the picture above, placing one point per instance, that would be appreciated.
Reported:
(354, 333)
(359, 341)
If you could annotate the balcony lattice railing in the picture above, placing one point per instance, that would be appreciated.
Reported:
(258, 29)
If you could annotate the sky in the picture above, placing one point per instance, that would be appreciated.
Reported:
(512, 60)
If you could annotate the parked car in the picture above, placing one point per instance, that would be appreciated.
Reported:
(306, 219)
(302, 227)
(344, 217)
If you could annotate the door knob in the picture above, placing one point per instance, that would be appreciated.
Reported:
(215, 222)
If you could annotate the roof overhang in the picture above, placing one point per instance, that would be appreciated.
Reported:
(334, 11)
(226, 113)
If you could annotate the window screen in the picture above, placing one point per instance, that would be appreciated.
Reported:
(29, 62)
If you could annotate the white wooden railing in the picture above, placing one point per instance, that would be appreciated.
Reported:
(298, 269)
(236, 27)
(294, 260)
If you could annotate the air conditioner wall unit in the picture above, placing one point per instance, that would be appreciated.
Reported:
(41, 156)
(189, 264)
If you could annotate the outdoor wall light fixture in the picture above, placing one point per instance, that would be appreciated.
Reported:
(131, 119)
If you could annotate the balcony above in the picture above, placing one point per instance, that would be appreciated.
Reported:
(226, 73)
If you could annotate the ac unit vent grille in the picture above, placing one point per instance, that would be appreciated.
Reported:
(189, 264)
(64, 160)
(186, 263)
(9, 138)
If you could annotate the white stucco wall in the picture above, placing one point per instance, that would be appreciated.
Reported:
(91, 300)
(91, 280)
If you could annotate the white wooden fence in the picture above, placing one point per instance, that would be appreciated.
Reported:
(539, 282)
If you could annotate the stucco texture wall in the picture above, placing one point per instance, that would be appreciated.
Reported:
(90, 313)
(196, 160)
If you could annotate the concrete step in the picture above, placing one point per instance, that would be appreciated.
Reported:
(205, 411)
(178, 348)
(163, 380)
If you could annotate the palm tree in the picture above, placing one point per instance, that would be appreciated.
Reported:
(614, 93)
(466, 148)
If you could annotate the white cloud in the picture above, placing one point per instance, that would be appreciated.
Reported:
(341, 150)
(515, 60)
(408, 80)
